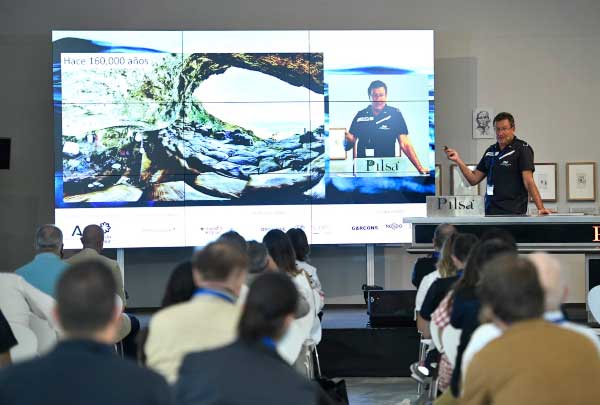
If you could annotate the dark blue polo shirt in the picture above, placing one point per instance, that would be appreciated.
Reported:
(378, 133)
(504, 170)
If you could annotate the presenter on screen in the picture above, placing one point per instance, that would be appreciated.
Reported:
(375, 130)
(508, 166)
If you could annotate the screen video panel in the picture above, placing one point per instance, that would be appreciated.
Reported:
(172, 138)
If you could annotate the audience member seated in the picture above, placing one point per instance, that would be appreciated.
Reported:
(534, 361)
(83, 368)
(466, 305)
(235, 239)
(7, 341)
(259, 261)
(446, 268)
(47, 265)
(180, 287)
(426, 265)
(555, 291)
(480, 253)
(21, 302)
(250, 370)
(462, 244)
(205, 322)
(92, 239)
(292, 346)
(302, 250)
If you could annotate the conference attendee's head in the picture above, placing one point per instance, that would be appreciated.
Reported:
(504, 125)
(551, 278)
(463, 244)
(441, 234)
(500, 234)
(92, 237)
(180, 286)
(511, 290)
(378, 94)
(49, 238)
(259, 260)
(86, 302)
(300, 243)
(220, 265)
(235, 239)
(281, 250)
(269, 309)
(481, 254)
(445, 264)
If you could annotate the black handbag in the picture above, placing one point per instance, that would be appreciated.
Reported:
(336, 390)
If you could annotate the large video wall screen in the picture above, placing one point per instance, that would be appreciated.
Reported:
(172, 138)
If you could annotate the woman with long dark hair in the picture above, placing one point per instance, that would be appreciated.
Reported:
(302, 250)
(292, 347)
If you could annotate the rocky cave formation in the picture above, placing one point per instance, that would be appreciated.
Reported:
(194, 155)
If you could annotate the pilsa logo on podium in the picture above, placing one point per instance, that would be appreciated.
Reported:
(596, 233)
(455, 206)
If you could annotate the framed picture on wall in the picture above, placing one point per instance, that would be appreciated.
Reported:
(483, 127)
(335, 144)
(545, 176)
(581, 181)
(438, 179)
(459, 185)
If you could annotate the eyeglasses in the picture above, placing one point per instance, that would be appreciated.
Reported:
(503, 129)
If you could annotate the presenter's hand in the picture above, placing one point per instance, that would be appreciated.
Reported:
(546, 211)
(452, 155)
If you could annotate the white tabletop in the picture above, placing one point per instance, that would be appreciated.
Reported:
(547, 219)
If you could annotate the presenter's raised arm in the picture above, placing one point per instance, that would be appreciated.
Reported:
(472, 176)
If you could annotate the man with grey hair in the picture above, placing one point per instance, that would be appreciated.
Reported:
(555, 288)
(47, 265)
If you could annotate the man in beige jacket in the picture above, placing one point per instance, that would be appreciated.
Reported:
(92, 239)
(209, 320)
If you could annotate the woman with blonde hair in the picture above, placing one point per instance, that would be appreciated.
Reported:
(445, 268)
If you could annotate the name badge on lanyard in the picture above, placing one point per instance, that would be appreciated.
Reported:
(369, 152)
(489, 189)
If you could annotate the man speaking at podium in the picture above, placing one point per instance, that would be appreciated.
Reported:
(508, 166)
(378, 127)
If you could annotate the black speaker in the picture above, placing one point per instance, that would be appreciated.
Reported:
(389, 308)
(4, 153)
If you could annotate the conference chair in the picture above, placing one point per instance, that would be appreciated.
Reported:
(450, 342)
(44, 332)
(434, 329)
(27, 346)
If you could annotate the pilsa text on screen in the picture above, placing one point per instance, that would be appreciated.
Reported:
(384, 165)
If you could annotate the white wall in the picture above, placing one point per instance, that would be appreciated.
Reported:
(538, 59)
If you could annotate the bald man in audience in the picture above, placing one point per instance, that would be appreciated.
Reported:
(208, 320)
(555, 288)
(47, 266)
(92, 239)
(533, 361)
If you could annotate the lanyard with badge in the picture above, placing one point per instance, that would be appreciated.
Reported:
(214, 293)
(490, 182)
(495, 157)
